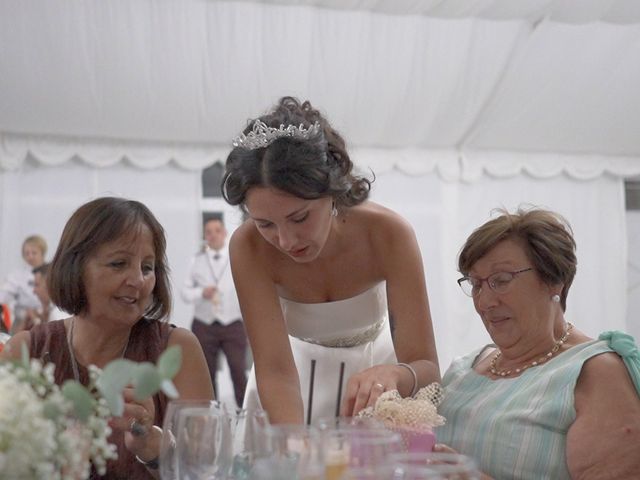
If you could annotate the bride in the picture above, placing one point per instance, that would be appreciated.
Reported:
(331, 285)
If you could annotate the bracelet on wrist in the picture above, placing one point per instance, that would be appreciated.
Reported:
(152, 464)
(413, 373)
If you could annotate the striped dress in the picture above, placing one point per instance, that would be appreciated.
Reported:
(516, 428)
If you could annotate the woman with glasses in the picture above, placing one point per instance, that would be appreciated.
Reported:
(545, 400)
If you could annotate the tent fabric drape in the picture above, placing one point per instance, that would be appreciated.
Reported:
(614, 11)
(105, 80)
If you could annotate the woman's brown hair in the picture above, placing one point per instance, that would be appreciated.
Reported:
(94, 224)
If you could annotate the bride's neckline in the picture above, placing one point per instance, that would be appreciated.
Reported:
(334, 302)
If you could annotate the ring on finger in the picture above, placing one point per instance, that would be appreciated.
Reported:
(379, 385)
(137, 429)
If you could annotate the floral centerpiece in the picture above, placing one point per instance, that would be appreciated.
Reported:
(52, 432)
(413, 417)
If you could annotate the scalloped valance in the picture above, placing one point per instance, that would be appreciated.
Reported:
(450, 164)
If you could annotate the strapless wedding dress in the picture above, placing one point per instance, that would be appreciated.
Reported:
(354, 331)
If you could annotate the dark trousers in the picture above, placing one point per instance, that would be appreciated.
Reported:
(232, 339)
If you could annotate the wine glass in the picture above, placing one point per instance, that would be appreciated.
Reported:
(169, 433)
(203, 444)
(450, 466)
(250, 442)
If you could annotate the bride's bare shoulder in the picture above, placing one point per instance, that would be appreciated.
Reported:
(379, 217)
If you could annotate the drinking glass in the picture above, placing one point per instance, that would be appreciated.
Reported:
(169, 433)
(203, 444)
(450, 466)
(389, 472)
(369, 447)
(332, 423)
(301, 446)
(250, 442)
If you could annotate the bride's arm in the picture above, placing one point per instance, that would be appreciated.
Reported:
(276, 373)
(400, 263)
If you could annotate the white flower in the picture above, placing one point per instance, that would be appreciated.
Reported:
(39, 436)
(43, 433)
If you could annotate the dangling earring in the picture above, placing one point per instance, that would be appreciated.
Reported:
(555, 298)
(334, 210)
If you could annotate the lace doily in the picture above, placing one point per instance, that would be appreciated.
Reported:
(418, 412)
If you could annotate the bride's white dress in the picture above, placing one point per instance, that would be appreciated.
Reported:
(354, 331)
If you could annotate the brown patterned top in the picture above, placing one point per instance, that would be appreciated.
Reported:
(149, 338)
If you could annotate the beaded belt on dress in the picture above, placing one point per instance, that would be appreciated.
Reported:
(361, 338)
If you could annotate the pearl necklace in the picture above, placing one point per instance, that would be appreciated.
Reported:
(535, 363)
(74, 363)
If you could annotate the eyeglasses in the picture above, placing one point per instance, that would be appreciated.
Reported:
(499, 282)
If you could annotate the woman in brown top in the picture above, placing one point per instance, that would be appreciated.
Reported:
(110, 272)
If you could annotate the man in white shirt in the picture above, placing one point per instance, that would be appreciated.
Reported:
(217, 319)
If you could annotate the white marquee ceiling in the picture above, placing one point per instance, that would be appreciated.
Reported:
(447, 84)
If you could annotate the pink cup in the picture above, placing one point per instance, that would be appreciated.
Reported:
(417, 439)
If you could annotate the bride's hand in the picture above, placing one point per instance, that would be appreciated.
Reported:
(364, 388)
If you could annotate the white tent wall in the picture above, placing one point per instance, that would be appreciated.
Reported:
(458, 107)
(39, 199)
(443, 214)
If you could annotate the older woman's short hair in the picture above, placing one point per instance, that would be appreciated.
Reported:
(546, 237)
(94, 224)
(36, 240)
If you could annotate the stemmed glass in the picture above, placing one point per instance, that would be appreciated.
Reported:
(169, 433)
(250, 442)
(203, 444)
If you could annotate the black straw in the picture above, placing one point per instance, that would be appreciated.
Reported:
(313, 372)
(339, 389)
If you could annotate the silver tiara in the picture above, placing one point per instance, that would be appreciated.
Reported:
(262, 135)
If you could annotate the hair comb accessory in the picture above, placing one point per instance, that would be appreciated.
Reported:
(262, 135)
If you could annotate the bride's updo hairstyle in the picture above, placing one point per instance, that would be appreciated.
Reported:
(296, 151)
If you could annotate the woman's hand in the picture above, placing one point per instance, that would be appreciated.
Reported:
(364, 388)
(442, 448)
(140, 436)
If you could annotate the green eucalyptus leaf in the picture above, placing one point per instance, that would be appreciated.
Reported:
(115, 402)
(169, 362)
(116, 375)
(146, 381)
(169, 389)
(80, 397)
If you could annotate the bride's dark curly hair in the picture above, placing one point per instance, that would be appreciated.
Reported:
(312, 168)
